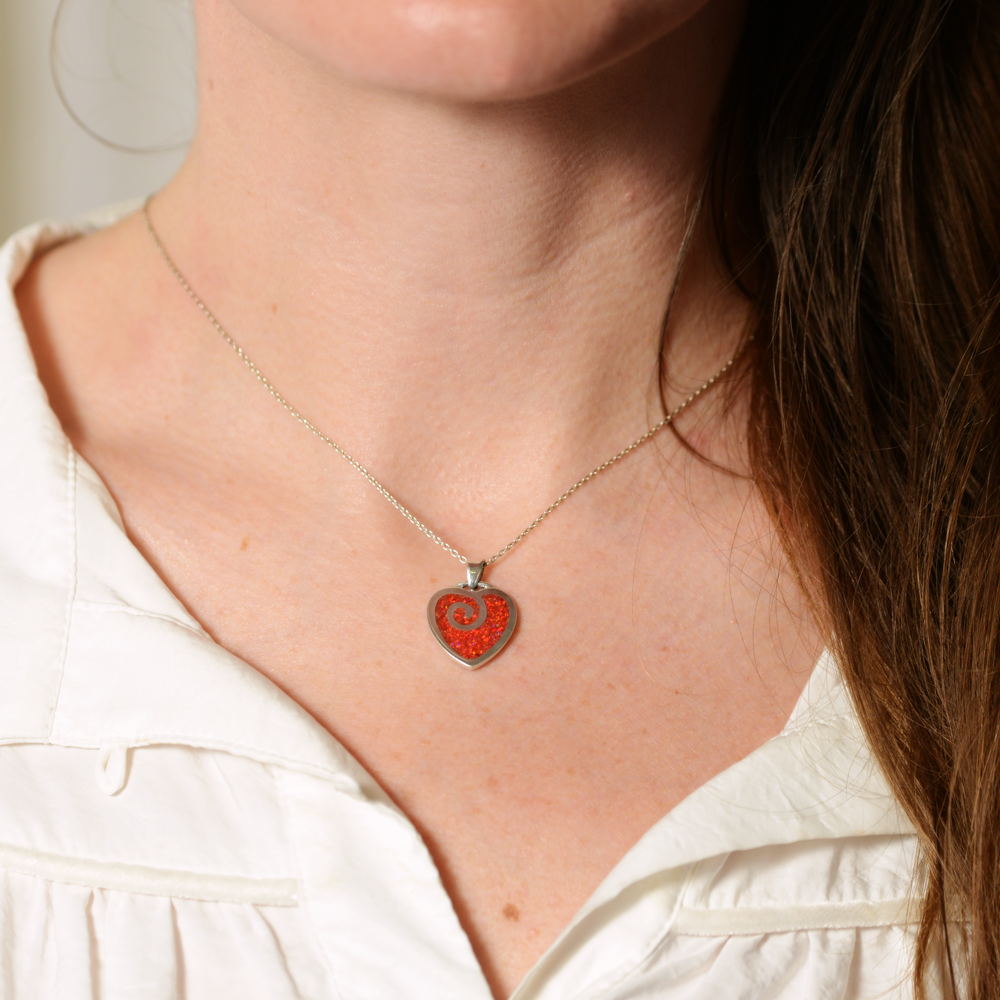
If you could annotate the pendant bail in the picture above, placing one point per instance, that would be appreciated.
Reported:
(474, 573)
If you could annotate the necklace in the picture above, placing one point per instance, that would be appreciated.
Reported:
(473, 621)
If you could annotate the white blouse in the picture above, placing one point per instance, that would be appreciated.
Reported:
(174, 826)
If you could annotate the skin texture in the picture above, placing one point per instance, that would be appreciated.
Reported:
(446, 232)
(468, 50)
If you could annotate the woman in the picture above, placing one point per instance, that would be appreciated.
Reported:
(443, 234)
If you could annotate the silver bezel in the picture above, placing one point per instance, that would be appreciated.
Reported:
(495, 648)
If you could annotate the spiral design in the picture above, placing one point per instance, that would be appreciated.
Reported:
(473, 604)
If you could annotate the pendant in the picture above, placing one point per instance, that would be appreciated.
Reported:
(472, 622)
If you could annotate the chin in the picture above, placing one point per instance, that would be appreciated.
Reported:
(464, 50)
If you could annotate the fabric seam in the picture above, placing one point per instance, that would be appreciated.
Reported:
(853, 915)
(71, 473)
(147, 880)
(304, 897)
(178, 739)
(655, 941)
(107, 608)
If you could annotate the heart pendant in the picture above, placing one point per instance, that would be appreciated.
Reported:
(472, 622)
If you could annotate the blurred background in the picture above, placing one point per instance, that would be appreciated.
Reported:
(127, 72)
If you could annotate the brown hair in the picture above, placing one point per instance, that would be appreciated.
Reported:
(867, 133)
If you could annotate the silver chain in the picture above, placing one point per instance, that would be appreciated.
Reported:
(412, 518)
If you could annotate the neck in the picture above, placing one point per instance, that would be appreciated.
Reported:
(396, 264)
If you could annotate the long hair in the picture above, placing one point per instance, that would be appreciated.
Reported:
(858, 199)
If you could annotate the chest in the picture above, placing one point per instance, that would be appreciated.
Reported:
(645, 661)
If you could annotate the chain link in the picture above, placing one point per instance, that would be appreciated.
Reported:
(412, 518)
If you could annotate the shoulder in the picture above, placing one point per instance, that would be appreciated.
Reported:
(80, 302)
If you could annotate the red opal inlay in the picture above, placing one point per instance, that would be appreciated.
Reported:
(471, 643)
